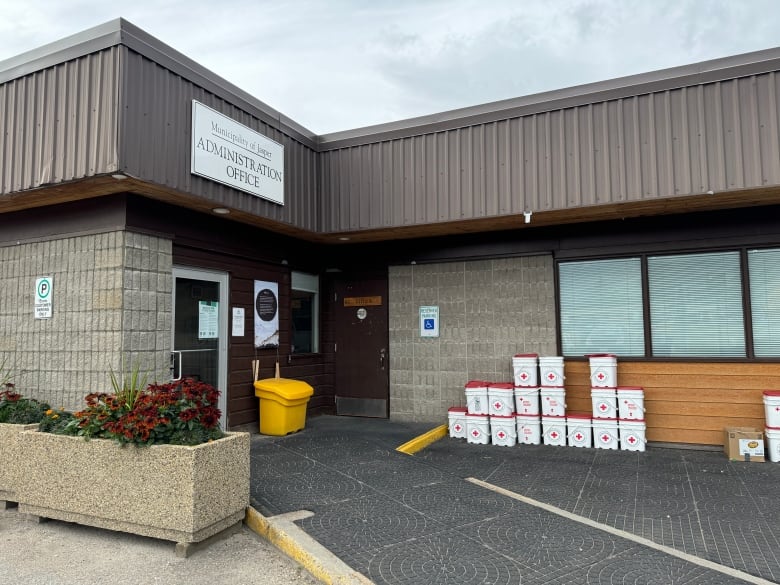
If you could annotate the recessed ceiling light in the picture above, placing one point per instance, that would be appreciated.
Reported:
(221, 210)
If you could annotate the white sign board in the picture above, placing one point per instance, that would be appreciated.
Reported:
(238, 322)
(43, 297)
(266, 314)
(208, 319)
(233, 154)
(429, 321)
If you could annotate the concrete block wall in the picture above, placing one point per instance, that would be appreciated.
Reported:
(111, 298)
(489, 310)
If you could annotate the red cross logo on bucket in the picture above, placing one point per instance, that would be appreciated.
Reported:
(523, 376)
(605, 438)
(497, 405)
(475, 433)
(578, 437)
(554, 435)
(457, 428)
(501, 435)
(551, 376)
(603, 407)
(600, 376)
(631, 439)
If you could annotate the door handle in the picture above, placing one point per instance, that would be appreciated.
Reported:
(382, 355)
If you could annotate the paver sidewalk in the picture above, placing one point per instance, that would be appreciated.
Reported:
(402, 519)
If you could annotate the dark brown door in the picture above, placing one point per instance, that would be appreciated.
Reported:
(362, 380)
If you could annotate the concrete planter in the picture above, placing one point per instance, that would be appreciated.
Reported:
(12, 463)
(179, 493)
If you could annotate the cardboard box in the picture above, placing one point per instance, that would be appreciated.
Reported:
(743, 444)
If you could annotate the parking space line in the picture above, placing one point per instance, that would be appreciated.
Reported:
(730, 571)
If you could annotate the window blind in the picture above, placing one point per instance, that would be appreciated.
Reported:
(764, 269)
(601, 307)
(696, 305)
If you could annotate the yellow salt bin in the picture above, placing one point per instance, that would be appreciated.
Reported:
(282, 405)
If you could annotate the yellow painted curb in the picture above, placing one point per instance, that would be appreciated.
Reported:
(421, 442)
(317, 560)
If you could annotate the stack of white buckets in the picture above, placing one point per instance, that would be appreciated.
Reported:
(772, 412)
(530, 413)
(618, 412)
(506, 413)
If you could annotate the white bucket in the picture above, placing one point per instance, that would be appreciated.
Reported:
(527, 400)
(477, 429)
(529, 429)
(551, 371)
(578, 430)
(554, 430)
(772, 408)
(603, 370)
(605, 433)
(604, 403)
(631, 403)
(553, 400)
(632, 435)
(456, 417)
(526, 369)
(501, 398)
(773, 441)
(477, 398)
(503, 430)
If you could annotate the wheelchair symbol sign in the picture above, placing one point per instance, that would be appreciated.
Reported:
(429, 321)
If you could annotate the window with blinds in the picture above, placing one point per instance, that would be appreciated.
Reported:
(696, 305)
(764, 269)
(601, 307)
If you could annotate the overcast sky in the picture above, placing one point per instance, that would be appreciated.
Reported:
(342, 64)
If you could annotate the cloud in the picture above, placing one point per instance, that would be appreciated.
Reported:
(348, 63)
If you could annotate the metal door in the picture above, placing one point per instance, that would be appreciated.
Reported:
(200, 329)
(362, 366)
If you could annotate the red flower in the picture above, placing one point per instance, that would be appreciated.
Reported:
(210, 417)
(188, 415)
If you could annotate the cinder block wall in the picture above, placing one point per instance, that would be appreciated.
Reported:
(489, 310)
(111, 298)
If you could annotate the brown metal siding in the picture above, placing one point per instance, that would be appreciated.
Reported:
(60, 123)
(686, 141)
(156, 131)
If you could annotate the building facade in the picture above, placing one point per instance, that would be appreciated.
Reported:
(635, 216)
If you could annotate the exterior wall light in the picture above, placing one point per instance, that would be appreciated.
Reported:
(527, 215)
(221, 210)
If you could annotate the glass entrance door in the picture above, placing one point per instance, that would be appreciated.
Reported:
(200, 329)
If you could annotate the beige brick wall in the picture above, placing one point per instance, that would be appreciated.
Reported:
(489, 310)
(111, 298)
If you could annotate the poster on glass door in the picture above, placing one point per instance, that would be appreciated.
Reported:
(266, 314)
(208, 319)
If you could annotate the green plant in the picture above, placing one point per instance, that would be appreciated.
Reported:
(129, 386)
(179, 413)
(15, 409)
(55, 421)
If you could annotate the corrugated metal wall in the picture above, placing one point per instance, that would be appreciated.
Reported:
(60, 123)
(685, 141)
(156, 135)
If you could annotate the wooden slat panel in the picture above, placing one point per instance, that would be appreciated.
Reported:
(686, 402)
